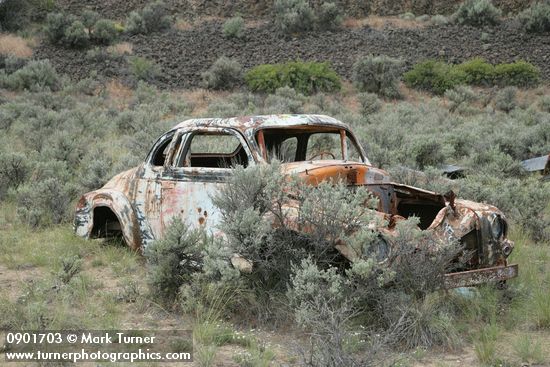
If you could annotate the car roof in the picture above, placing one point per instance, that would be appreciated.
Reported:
(244, 123)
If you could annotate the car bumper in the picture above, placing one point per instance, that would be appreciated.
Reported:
(479, 276)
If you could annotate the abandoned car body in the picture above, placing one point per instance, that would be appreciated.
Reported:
(189, 163)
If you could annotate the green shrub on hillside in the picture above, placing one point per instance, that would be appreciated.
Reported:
(14, 14)
(434, 76)
(234, 28)
(135, 23)
(104, 31)
(304, 77)
(56, 25)
(293, 16)
(143, 69)
(154, 17)
(437, 76)
(519, 74)
(44, 202)
(439, 19)
(505, 100)
(477, 13)
(76, 35)
(478, 71)
(461, 98)
(225, 73)
(173, 259)
(536, 18)
(14, 170)
(36, 75)
(329, 16)
(369, 102)
(89, 19)
(377, 74)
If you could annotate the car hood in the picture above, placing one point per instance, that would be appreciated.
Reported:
(355, 173)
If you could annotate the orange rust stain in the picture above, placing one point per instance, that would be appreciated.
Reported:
(201, 220)
(199, 210)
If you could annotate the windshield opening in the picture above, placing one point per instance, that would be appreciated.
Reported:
(308, 144)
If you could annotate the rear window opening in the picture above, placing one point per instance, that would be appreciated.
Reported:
(308, 144)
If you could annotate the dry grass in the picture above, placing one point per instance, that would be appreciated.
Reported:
(123, 48)
(120, 94)
(183, 24)
(186, 24)
(200, 98)
(378, 22)
(14, 46)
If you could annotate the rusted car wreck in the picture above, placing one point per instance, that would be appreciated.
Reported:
(189, 163)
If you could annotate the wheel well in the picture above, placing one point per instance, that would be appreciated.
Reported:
(106, 223)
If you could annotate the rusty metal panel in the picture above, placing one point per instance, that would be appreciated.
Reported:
(480, 276)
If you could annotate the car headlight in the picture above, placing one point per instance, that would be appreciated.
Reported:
(497, 226)
(380, 249)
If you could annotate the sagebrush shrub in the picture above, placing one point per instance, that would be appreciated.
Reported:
(35, 75)
(56, 25)
(76, 35)
(428, 153)
(506, 99)
(293, 16)
(434, 76)
(14, 170)
(253, 212)
(536, 18)
(329, 16)
(173, 259)
(143, 69)
(478, 13)
(89, 19)
(369, 102)
(377, 74)
(44, 202)
(154, 17)
(439, 19)
(460, 98)
(234, 28)
(135, 23)
(104, 31)
(304, 77)
(13, 14)
(225, 73)
(544, 103)
(285, 100)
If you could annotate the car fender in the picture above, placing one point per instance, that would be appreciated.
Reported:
(133, 229)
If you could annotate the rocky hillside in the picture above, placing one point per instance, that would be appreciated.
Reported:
(184, 54)
(261, 8)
